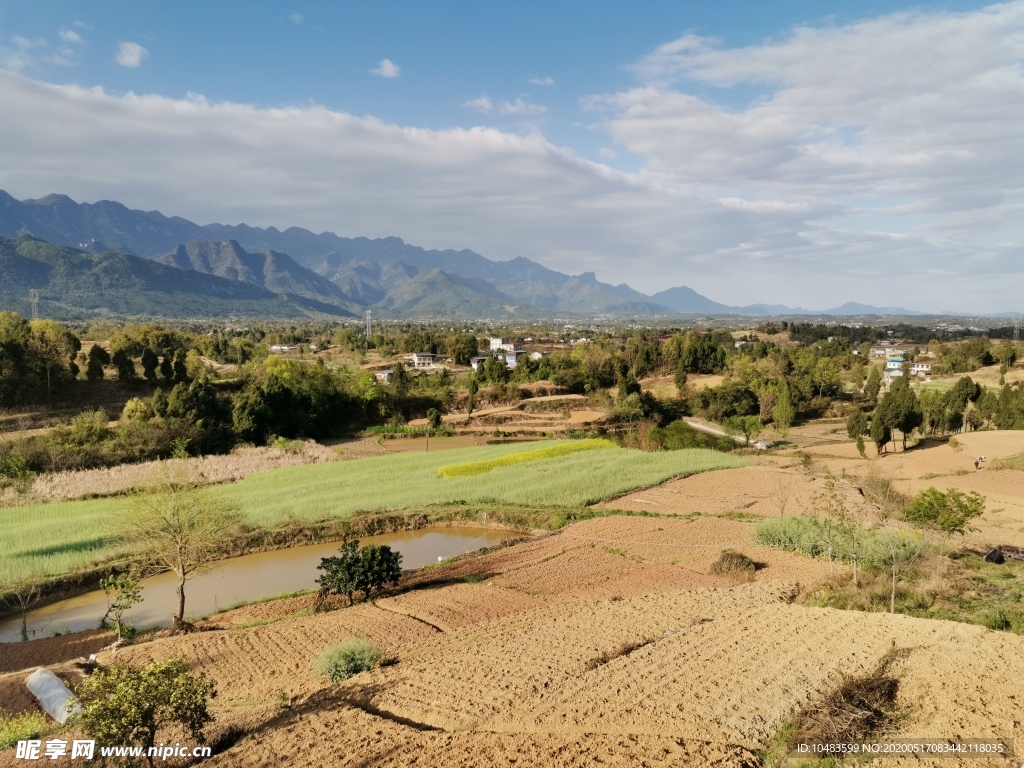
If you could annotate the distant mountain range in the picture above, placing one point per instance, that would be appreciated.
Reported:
(302, 272)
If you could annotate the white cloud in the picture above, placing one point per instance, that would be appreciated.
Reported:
(63, 57)
(18, 56)
(131, 54)
(387, 69)
(865, 154)
(542, 80)
(70, 36)
(83, 25)
(520, 107)
(608, 153)
(481, 104)
(897, 137)
(296, 18)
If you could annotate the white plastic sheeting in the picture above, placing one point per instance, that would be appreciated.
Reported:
(53, 695)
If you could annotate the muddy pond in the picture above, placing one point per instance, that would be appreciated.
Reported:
(243, 579)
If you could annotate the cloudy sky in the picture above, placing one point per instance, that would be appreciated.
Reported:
(800, 152)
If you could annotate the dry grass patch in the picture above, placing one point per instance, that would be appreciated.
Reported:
(730, 562)
(858, 709)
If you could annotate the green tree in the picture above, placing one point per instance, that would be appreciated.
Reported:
(122, 592)
(342, 574)
(433, 418)
(826, 376)
(784, 412)
(160, 403)
(748, 426)
(98, 359)
(167, 368)
(880, 434)
(873, 385)
(680, 380)
(949, 512)
(150, 362)
(180, 528)
(857, 425)
(379, 566)
(900, 409)
(124, 706)
(180, 367)
(124, 365)
(400, 381)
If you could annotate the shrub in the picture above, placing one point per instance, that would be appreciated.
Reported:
(949, 512)
(15, 728)
(123, 705)
(340, 662)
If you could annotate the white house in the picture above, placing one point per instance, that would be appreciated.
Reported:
(280, 348)
(501, 345)
(922, 367)
(384, 377)
(476, 362)
(894, 364)
(538, 355)
(423, 359)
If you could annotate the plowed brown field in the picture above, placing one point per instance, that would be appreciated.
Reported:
(608, 642)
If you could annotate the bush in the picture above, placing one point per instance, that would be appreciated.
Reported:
(340, 662)
(15, 728)
(949, 512)
(123, 705)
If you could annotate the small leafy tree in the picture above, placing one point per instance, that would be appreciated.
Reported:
(122, 591)
(341, 574)
(167, 368)
(949, 512)
(433, 418)
(748, 426)
(123, 705)
(379, 566)
(856, 424)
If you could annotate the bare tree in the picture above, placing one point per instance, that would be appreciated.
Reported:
(782, 493)
(22, 595)
(181, 526)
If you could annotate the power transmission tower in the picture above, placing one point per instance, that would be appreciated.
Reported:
(1016, 327)
(369, 325)
(33, 296)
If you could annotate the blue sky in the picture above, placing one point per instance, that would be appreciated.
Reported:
(723, 139)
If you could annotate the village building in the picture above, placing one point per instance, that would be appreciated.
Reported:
(423, 359)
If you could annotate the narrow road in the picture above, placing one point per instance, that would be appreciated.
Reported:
(712, 429)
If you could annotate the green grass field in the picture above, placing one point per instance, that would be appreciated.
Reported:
(53, 539)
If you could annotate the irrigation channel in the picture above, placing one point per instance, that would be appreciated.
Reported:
(243, 579)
